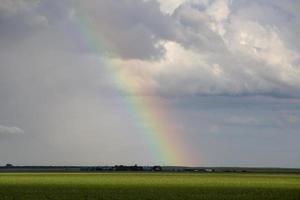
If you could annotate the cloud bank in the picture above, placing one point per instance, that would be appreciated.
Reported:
(224, 47)
(191, 47)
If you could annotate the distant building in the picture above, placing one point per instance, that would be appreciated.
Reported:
(209, 170)
(156, 168)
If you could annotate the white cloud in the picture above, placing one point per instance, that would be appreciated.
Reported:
(219, 12)
(169, 6)
(215, 51)
(6, 130)
(264, 45)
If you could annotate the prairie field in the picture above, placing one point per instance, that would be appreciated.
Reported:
(148, 186)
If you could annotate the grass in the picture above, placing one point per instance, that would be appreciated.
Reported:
(147, 186)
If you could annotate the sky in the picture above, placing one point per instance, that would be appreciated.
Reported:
(223, 75)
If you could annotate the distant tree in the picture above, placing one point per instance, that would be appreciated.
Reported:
(8, 165)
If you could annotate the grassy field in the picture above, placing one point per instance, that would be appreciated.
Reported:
(147, 186)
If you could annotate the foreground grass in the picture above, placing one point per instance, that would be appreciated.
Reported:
(147, 186)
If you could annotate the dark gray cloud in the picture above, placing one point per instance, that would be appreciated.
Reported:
(130, 29)
(19, 18)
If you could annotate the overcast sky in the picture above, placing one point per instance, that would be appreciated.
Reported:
(227, 71)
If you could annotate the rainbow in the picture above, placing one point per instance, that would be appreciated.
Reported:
(148, 112)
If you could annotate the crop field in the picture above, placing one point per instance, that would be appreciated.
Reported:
(147, 186)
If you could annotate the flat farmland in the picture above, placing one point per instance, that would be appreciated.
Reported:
(148, 186)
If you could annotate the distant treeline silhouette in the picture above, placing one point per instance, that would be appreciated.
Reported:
(136, 168)
(10, 167)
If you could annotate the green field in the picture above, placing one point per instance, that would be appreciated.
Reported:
(147, 186)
